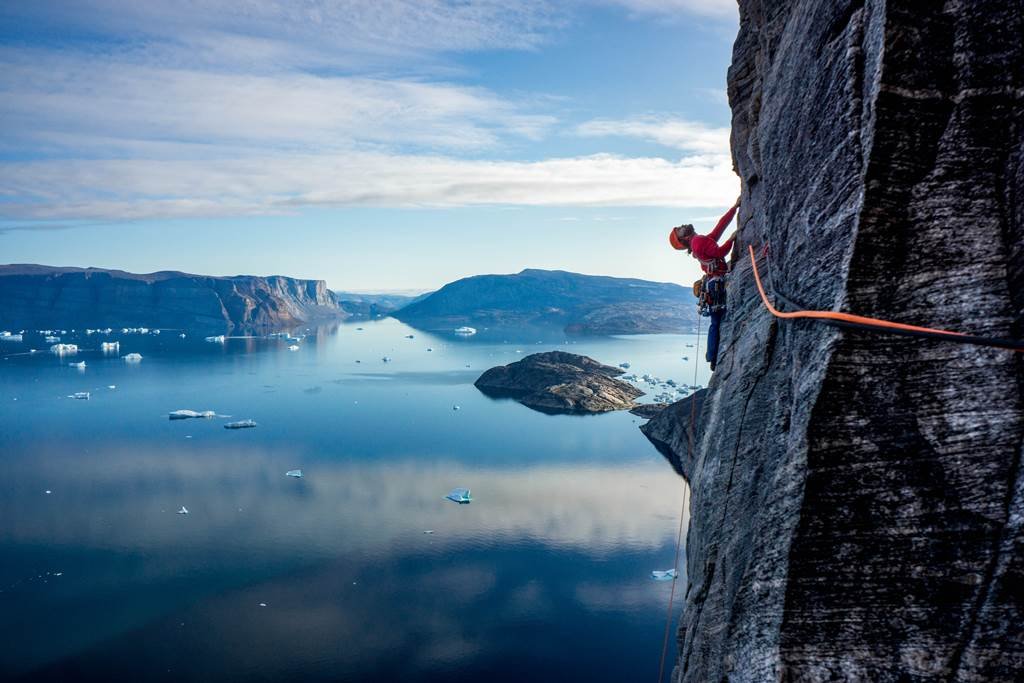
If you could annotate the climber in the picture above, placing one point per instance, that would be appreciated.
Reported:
(710, 289)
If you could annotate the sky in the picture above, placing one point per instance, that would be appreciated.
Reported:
(381, 145)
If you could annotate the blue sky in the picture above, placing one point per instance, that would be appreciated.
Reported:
(385, 145)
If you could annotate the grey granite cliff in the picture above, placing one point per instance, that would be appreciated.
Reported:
(41, 297)
(857, 499)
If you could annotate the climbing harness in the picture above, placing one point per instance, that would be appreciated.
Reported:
(682, 514)
(860, 322)
(712, 295)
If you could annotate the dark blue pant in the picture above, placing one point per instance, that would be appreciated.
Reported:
(716, 320)
(716, 294)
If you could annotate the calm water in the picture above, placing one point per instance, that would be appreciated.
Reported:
(546, 573)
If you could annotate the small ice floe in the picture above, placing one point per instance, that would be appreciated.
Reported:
(216, 339)
(80, 395)
(293, 347)
(9, 337)
(132, 357)
(465, 331)
(428, 531)
(107, 347)
(182, 335)
(624, 366)
(111, 386)
(667, 575)
(80, 365)
(51, 340)
(294, 473)
(155, 332)
(456, 407)
(263, 604)
(460, 496)
(186, 414)
(183, 510)
(290, 338)
(143, 330)
(64, 349)
(241, 424)
(386, 359)
(47, 491)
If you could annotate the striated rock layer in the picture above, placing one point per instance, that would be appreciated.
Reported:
(858, 499)
(40, 297)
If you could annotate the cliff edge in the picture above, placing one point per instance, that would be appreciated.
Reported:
(857, 498)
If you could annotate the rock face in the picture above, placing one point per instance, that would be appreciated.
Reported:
(581, 304)
(41, 297)
(558, 382)
(857, 499)
(673, 430)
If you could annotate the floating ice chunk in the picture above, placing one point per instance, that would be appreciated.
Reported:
(110, 346)
(686, 358)
(132, 357)
(465, 331)
(293, 347)
(428, 531)
(156, 331)
(183, 510)
(182, 335)
(263, 604)
(80, 395)
(64, 349)
(111, 386)
(386, 359)
(80, 365)
(52, 340)
(143, 330)
(294, 473)
(8, 337)
(186, 414)
(48, 492)
(242, 424)
(410, 336)
(216, 339)
(460, 496)
(290, 338)
(456, 407)
(667, 575)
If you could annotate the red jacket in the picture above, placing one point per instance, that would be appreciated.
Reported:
(705, 248)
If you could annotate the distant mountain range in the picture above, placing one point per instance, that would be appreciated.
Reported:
(43, 297)
(581, 304)
(46, 297)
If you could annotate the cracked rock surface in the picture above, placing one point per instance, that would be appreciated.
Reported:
(857, 498)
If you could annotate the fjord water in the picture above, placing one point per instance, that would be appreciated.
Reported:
(328, 577)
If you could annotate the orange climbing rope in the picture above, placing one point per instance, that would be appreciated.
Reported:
(879, 325)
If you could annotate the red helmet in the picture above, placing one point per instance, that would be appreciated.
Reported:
(674, 240)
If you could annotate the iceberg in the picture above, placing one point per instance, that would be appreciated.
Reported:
(80, 365)
(80, 395)
(8, 337)
(217, 339)
(186, 414)
(110, 346)
(52, 340)
(465, 331)
(460, 496)
(624, 366)
(386, 359)
(61, 349)
(182, 335)
(410, 336)
(294, 473)
(242, 424)
(132, 357)
(668, 575)
(293, 347)
(183, 510)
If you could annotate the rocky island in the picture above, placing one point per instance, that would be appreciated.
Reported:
(857, 498)
(559, 382)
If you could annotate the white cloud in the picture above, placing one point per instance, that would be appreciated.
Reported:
(717, 9)
(135, 189)
(687, 136)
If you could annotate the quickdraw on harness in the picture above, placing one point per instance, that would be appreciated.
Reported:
(710, 293)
